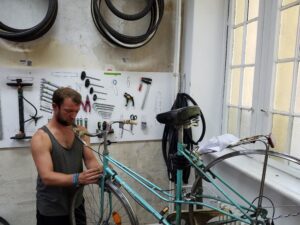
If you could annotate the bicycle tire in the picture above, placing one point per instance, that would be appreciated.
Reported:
(213, 163)
(3, 221)
(30, 34)
(91, 194)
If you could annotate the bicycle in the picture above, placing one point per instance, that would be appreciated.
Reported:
(105, 202)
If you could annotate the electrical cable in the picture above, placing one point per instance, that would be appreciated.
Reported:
(125, 41)
(24, 35)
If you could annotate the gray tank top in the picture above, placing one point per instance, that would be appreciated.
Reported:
(52, 200)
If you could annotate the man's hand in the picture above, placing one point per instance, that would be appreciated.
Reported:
(90, 176)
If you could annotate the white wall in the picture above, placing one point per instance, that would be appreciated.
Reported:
(203, 57)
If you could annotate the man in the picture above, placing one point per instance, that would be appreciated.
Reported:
(58, 155)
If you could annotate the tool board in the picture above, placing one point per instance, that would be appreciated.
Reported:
(110, 104)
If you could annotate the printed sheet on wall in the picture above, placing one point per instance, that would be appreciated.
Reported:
(26, 102)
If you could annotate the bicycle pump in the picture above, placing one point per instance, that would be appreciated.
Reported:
(19, 84)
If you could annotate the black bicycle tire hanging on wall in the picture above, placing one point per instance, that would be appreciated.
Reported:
(154, 7)
(23, 35)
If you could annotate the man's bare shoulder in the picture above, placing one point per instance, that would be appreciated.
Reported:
(40, 138)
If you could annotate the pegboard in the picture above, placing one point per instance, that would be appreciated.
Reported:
(110, 104)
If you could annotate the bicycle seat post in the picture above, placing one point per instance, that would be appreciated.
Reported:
(179, 175)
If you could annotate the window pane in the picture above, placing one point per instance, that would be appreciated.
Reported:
(245, 123)
(247, 87)
(280, 131)
(283, 86)
(237, 46)
(232, 121)
(239, 11)
(295, 145)
(285, 2)
(297, 103)
(234, 87)
(288, 32)
(251, 43)
(253, 9)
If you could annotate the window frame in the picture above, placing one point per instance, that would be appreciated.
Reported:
(268, 28)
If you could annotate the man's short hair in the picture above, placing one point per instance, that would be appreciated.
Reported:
(60, 94)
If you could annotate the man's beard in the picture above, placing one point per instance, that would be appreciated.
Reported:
(63, 121)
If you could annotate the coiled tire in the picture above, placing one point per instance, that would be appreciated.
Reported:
(126, 41)
(23, 35)
(3, 221)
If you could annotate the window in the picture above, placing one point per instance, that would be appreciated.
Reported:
(241, 61)
(263, 72)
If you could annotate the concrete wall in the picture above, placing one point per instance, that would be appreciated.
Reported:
(73, 42)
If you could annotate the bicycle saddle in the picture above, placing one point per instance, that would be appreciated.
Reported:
(179, 116)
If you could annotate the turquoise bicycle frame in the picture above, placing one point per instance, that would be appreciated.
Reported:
(167, 197)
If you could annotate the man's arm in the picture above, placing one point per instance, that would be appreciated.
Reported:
(90, 159)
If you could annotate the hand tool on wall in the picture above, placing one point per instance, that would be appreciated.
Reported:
(114, 83)
(46, 95)
(86, 123)
(45, 109)
(134, 118)
(44, 81)
(83, 76)
(148, 82)
(86, 105)
(95, 98)
(144, 123)
(47, 92)
(45, 99)
(45, 87)
(99, 92)
(88, 83)
(129, 98)
(20, 84)
(104, 110)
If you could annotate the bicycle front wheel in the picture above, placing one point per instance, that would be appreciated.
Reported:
(116, 208)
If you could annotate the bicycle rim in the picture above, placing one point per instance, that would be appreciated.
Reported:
(116, 208)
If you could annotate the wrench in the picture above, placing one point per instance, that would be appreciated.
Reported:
(44, 81)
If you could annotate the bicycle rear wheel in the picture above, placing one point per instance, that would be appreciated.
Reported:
(116, 208)
(197, 186)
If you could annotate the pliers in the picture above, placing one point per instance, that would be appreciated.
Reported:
(87, 105)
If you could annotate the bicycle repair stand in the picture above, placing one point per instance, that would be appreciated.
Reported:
(19, 84)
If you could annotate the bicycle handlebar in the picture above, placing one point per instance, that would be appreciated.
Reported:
(266, 139)
(100, 133)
